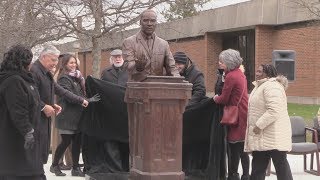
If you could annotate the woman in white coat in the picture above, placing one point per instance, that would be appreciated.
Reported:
(268, 132)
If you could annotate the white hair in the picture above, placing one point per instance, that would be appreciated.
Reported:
(111, 60)
(231, 58)
(49, 49)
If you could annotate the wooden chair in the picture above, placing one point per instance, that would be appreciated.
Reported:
(300, 146)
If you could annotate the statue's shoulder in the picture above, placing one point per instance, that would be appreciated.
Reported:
(161, 41)
(132, 37)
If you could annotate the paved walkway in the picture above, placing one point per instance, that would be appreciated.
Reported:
(51, 176)
(295, 161)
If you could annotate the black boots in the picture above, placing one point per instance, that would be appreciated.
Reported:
(76, 171)
(245, 177)
(56, 170)
(234, 176)
(64, 167)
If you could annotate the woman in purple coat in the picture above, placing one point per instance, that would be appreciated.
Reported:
(235, 91)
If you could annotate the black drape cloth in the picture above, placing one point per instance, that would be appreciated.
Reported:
(204, 144)
(104, 125)
(108, 118)
(203, 136)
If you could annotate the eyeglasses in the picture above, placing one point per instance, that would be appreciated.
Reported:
(53, 58)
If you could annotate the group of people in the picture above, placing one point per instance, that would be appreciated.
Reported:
(27, 93)
(263, 126)
(27, 103)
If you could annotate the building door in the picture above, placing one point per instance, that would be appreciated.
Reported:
(244, 42)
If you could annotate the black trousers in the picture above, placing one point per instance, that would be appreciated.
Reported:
(66, 139)
(235, 153)
(261, 160)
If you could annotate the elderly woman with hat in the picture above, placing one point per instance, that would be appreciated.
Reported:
(115, 73)
(192, 74)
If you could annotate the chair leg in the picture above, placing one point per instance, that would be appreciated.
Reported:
(312, 170)
(304, 162)
(318, 164)
(311, 161)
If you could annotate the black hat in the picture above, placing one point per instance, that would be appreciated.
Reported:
(180, 57)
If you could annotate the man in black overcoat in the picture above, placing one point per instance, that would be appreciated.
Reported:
(115, 73)
(47, 89)
(116, 152)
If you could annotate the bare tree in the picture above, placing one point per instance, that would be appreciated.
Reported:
(28, 22)
(183, 8)
(312, 6)
(101, 18)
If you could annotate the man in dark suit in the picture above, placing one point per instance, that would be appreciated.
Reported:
(147, 54)
(115, 73)
(47, 89)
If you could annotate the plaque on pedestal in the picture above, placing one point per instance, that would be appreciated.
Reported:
(155, 109)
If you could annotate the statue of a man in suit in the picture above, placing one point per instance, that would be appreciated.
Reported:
(147, 54)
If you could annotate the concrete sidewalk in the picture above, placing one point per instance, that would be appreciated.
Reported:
(51, 176)
(295, 161)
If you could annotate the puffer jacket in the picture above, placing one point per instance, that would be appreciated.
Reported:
(268, 111)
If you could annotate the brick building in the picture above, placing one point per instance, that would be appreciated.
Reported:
(256, 28)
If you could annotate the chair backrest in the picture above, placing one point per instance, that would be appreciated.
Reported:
(298, 129)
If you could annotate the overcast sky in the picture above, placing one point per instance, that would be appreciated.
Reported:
(211, 5)
(220, 3)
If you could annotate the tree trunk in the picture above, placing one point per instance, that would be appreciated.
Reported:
(96, 48)
(96, 54)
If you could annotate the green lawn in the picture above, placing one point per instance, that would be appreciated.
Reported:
(308, 112)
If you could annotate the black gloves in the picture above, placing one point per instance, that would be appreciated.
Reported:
(94, 98)
(29, 140)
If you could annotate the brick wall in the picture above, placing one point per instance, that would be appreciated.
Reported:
(86, 61)
(195, 48)
(263, 47)
(204, 51)
(305, 41)
(213, 49)
(303, 38)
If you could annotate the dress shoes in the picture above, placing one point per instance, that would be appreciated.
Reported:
(56, 170)
(77, 172)
(64, 167)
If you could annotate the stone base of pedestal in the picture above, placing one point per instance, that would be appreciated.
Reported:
(139, 175)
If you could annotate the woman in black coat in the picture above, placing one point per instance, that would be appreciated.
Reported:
(20, 115)
(67, 121)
